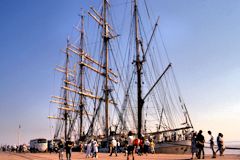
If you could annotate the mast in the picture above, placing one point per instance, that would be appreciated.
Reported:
(105, 43)
(138, 62)
(86, 63)
(108, 74)
(81, 86)
(65, 94)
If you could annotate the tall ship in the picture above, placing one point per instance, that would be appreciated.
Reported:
(120, 79)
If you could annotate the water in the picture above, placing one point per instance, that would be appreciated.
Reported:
(233, 144)
(228, 144)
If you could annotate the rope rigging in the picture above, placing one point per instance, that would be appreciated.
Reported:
(163, 104)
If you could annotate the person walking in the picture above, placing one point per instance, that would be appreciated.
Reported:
(60, 149)
(193, 144)
(110, 146)
(222, 145)
(130, 147)
(125, 143)
(89, 149)
(114, 146)
(211, 141)
(141, 145)
(95, 148)
(69, 144)
(219, 143)
(50, 146)
(136, 144)
(118, 146)
(81, 147)
(152, 146)
(146, 146)
(200, 144)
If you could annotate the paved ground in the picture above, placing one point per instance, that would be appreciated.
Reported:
(102, 156)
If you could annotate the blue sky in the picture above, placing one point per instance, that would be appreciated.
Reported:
(202, 39)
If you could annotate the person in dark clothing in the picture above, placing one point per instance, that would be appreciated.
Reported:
(125, 146)
(141, 146)
(200, 144)
(193, 144)
(146, 146)
(60, 149)
(69, 144)
(220, 143)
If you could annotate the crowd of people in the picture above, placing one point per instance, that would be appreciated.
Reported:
(130, 146)
(14, 148)
(91, 148)
(143, 145)
(138, 145)
(198, 141)
(67, 146)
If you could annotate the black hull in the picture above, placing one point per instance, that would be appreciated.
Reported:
(178, 147)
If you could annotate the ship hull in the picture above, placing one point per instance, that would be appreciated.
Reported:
(177, 147)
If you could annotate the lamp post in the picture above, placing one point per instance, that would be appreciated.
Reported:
(19, 127)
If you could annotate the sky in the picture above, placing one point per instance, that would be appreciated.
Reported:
(202, 39)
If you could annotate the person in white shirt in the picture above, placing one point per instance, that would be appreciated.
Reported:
(114, 146)
(95, 148)
(130, 147)
(211, 141)
(146, 146)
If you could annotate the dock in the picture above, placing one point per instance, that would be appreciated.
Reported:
(105, 156)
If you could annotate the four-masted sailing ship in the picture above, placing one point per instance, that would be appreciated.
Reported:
(107, 90)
